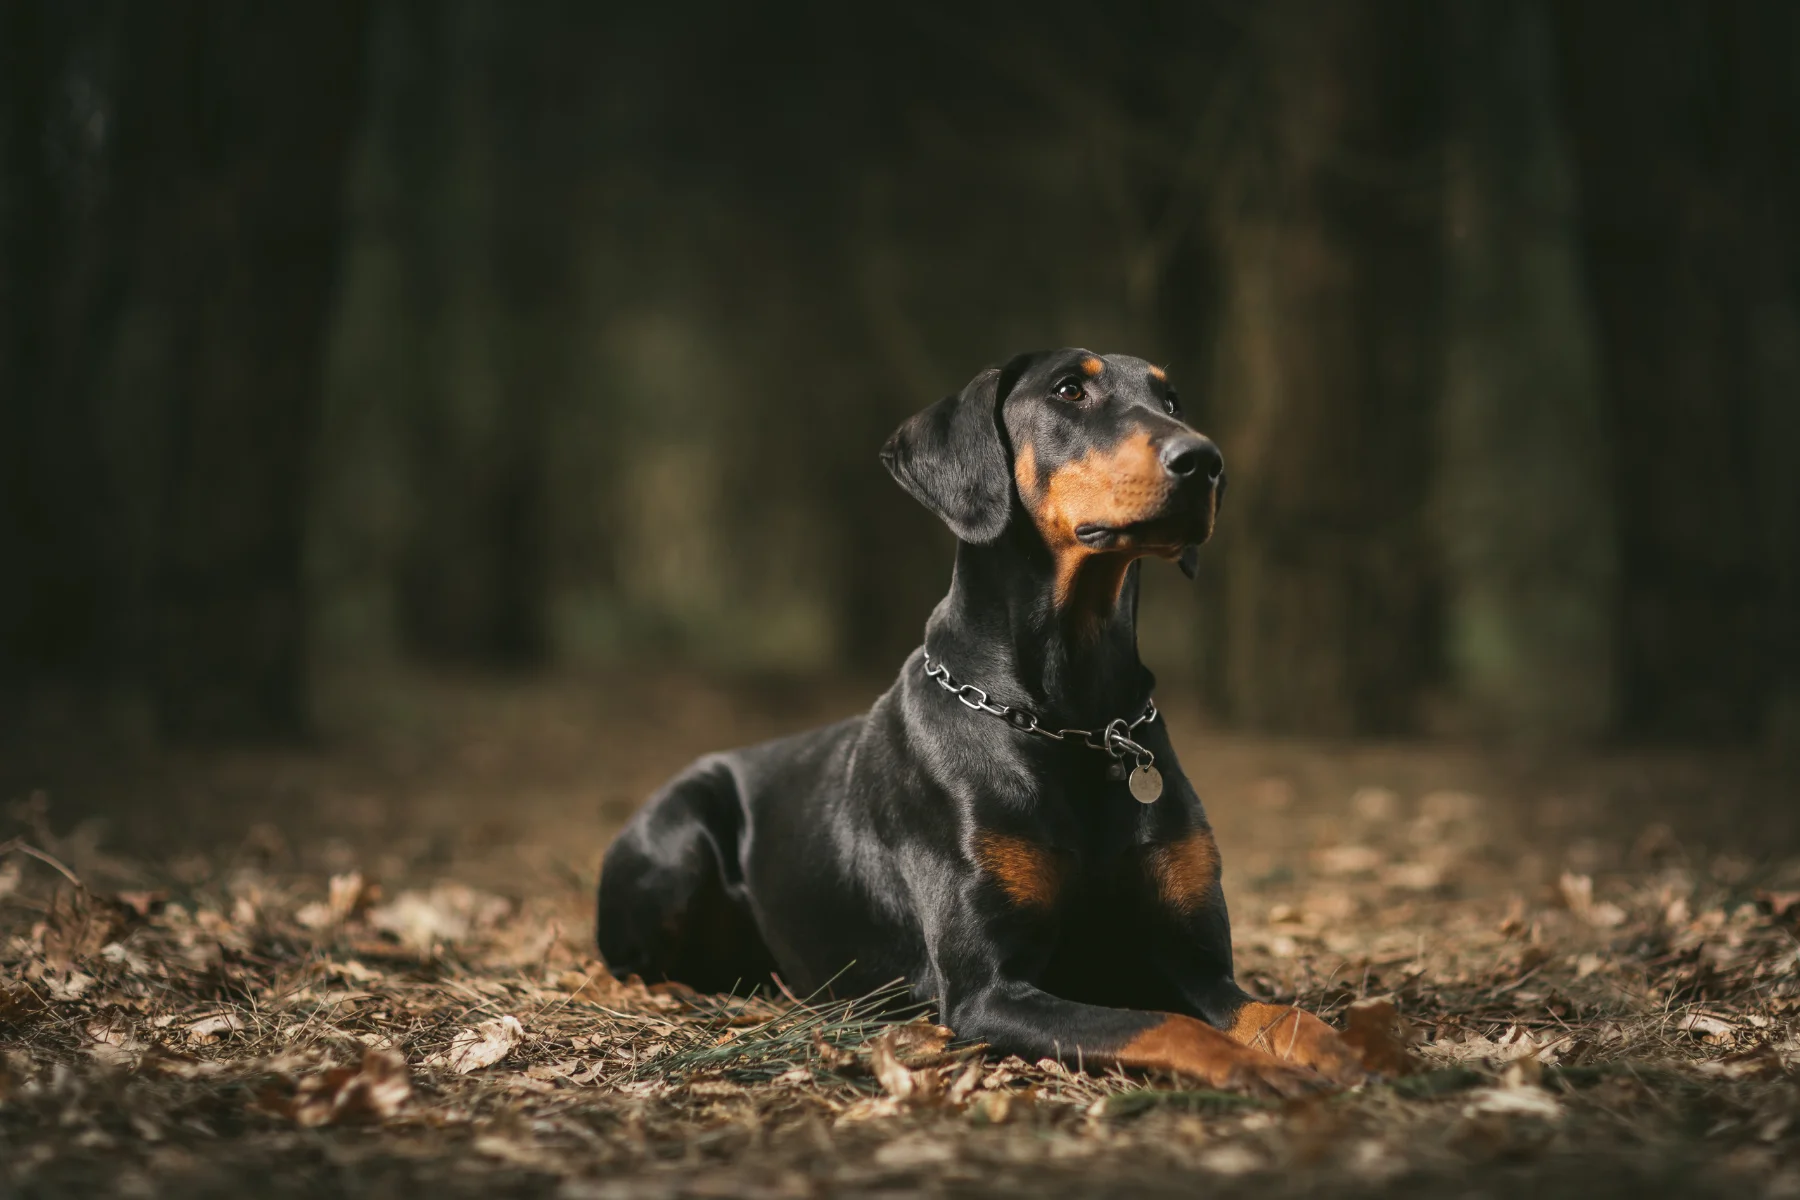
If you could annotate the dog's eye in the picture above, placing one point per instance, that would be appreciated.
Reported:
(1068, 389)
(1172, 403)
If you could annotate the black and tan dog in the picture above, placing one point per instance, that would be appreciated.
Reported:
(949, 837)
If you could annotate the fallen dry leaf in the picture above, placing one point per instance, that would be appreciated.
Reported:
(80, 923)
(72, 985)
(447, 913)
(965, 1084)
(113, 1033)
(1705, 1025)
(1515, 1102)
(371, 1092)
(907, 1087)
(1516, 1044)
(594, 984)
(920, 1043)
(1372, 1030)
(212, 1028)
(1759, 1062)
(1578, 893)
(347, 896)
(834, 1058)
(19, 1004)
(481, 1045)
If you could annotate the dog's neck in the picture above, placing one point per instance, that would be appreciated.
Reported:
(1000, 629)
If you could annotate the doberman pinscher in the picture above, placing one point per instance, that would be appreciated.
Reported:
(975, 832)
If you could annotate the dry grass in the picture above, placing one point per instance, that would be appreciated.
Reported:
(228, 1019)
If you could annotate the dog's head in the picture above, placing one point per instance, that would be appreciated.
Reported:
(1091, 448)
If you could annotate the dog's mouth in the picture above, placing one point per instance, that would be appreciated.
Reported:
(1161, 533)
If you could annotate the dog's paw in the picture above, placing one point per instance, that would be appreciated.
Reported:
(1300, 1039)
(1264, 1075)
(1333, 1058)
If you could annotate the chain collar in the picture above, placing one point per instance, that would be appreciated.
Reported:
(1114, 737)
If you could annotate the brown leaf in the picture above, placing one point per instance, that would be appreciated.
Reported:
(481, 1045)
(1578, 893)
(834, 1058)
(922, 1088)
(450, 912)
(1759, 1062)
(1705, 1025)
(80, 923)
(1372, 1029)
(1513, 923)
(19, 1004)
(594, 984)
(213, 1027)
(920, 1043)
(370, 1093)
(965, 1085)
(350, 895)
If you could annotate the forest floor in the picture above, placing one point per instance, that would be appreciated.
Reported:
(365, 968)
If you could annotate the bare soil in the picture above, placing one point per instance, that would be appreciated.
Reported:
(364, 967)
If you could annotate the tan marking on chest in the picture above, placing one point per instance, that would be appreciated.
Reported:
(1031, 875)
(1186, 871)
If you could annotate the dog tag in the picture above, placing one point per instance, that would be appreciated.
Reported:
(1145, 784)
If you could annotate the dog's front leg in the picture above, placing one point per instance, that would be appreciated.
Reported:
(1194, 954)
(1018, 1018)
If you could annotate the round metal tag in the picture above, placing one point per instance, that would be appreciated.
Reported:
(1145, 784)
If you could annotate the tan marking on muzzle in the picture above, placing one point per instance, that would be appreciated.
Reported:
(1117, 486)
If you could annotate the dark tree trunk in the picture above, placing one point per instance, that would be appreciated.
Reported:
(62, 613)
(236, 124)
(1327, 239)
(1684, 127)
(1523, 496)
(28, 231)
(480, 137)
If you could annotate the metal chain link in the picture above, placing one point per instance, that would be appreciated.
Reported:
(1114, 737)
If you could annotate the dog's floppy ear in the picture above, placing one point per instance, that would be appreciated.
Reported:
(952, 460)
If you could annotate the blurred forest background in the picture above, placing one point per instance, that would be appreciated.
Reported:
(551, 336)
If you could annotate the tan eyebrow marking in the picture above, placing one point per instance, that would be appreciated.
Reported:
(1091, 366)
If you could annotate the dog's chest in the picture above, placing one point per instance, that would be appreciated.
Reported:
(1106, 923)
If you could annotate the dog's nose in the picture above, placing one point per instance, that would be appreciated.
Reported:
(1191, 454)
